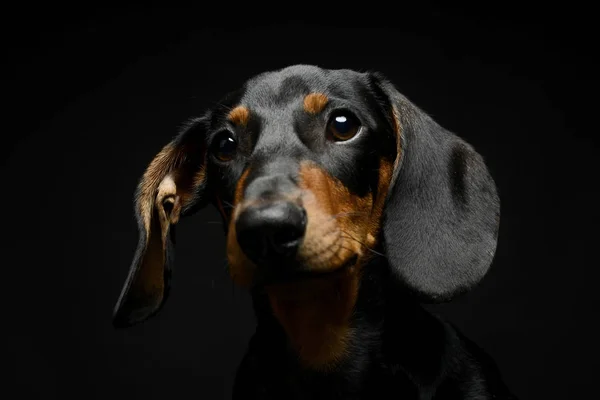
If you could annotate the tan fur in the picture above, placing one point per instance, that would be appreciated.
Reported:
(240, 115)
(314, 103)
(336, 220)
(149, 280)
(167, 193)
(315, 314)
(160, 166)
(164, 181)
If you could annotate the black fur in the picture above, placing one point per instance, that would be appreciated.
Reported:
(399, 351)
(439, 235)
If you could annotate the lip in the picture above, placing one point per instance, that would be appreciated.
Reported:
(304, 275)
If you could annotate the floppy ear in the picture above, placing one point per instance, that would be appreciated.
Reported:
(173, 185)
(442, 216)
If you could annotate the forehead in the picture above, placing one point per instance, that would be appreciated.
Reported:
(290, 85)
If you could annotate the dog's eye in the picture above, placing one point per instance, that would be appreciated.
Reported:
(224, 146)
(343, 126)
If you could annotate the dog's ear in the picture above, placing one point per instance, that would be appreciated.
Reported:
(440, 224)
(172, 186)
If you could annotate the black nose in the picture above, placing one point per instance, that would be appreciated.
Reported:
(272, 231)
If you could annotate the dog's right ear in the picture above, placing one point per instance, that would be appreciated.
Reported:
(172, 186)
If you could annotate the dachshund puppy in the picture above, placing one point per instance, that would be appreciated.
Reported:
(345, 206)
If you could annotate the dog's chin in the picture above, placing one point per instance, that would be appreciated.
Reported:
(296, 271)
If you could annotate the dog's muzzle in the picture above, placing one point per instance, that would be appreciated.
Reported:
(271, 232)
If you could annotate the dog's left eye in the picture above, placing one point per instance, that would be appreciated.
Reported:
(343, 126)
(224, 146)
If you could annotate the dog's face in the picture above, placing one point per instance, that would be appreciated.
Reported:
(304, 160)
(315, 171)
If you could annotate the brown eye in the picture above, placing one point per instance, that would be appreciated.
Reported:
(343, 126)
(224, 146)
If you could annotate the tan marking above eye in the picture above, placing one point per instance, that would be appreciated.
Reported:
(314, 103)
(239, 115)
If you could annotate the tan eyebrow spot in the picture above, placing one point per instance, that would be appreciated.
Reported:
(239, 115)
(314, 103)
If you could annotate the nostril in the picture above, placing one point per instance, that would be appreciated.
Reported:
(287, 239)
(287, 235)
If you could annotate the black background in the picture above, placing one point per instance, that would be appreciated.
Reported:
(91, 94)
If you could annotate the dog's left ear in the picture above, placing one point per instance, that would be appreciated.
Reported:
(442, 216)
(172, 186)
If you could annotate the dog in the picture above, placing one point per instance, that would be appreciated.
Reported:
(345, 207)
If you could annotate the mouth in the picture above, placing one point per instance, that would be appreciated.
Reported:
(299, 274)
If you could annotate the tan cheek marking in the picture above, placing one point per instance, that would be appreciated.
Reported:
(239, 189)
(241, 269)
(239, 115)
(387, 170)
(385, 176)
(314, 103)
(332, 208)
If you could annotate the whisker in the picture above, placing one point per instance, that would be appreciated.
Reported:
(347, 214)
(332, 248)
(363, 244)
(228, 204)
(219, 104)
(346, 248)
(328, 234)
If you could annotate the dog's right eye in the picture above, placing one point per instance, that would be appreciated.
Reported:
(224, 146)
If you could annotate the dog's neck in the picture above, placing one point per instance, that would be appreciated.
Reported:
(385, 328)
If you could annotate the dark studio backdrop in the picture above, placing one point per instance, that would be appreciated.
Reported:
(92, 93)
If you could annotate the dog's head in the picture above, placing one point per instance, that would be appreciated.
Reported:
(315, 171)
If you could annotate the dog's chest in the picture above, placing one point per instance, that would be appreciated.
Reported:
(279, 381)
